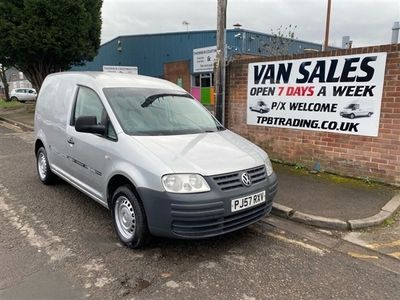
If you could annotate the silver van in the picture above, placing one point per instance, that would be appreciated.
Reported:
(147, 150)
(354, 110)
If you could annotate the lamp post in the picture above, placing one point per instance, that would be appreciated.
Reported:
(186, 23)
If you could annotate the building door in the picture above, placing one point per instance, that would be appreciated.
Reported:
(178, 73)
(203, 88)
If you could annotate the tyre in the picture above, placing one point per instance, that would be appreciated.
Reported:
(13, 98)
(352, 116)
(46, 176)
(129, 218)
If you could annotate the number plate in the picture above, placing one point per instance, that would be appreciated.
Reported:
(248, 201)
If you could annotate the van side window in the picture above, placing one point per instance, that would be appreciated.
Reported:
(111, 132)
(88, 104)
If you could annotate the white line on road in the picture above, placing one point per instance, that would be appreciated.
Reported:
(47, 240)
(94, 271)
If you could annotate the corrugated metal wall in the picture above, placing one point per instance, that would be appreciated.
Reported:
(149, 52)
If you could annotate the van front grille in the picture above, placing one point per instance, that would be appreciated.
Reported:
(231, 181)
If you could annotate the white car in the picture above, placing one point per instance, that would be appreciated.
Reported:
(23, 95)
(260, 106)
(355, 110)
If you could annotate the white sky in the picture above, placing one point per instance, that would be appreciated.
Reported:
(367, 22)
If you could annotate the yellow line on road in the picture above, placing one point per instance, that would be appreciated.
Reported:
(298, 243)
(395, 254)
(359, 255)
(384, 245)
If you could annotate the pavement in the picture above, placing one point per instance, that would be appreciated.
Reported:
(322, 200)
(21, 116)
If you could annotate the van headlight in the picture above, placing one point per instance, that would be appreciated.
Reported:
(268, 166)
(185, 183)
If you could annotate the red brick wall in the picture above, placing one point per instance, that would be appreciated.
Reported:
(377, 158)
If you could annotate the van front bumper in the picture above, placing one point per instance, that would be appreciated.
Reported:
(202, 215)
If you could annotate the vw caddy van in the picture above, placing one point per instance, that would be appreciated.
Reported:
(152, 154)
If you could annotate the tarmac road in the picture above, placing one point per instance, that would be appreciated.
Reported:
(56, 243)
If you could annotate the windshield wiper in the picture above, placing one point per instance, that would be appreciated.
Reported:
(149, 100)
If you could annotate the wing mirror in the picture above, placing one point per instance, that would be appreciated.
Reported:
(89, 124)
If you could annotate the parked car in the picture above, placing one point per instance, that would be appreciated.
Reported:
(147, 150)
(260, 106)
(23, 95)
(356, 110)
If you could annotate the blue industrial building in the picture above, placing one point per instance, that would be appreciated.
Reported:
(170, 55)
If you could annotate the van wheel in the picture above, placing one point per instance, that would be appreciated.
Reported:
(46, 176)
(13, 98)
(129, 218)
(352, 116)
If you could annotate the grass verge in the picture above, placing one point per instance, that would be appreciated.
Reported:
(9, 104)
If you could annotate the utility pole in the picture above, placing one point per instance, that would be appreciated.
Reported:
(220, 62)
(328, 20)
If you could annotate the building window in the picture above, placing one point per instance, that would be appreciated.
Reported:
(196, 80)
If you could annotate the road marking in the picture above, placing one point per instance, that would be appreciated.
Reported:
(45, 240)
(395, 254)
(235, 259)
(172, 284)
(96, 274)
(364, 256)
(245, 297)
(94, 271)
(384, 245)
(312, 248)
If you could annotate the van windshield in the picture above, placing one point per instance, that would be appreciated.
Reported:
(352, 106)
(143, 111)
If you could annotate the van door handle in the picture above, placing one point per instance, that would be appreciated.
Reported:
(70, 141)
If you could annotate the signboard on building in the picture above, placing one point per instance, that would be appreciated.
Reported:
(339, 94)
(203, 59)
(121, 69)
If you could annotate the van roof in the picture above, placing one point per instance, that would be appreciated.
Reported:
(109, 79)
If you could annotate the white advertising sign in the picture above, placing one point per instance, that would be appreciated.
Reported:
(339, 94)
(121, 69)
(204, 58)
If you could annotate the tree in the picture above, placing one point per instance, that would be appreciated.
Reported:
(280, 41)
(40, 37)
(3, 78)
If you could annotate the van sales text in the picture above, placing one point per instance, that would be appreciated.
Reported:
(354, 69)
